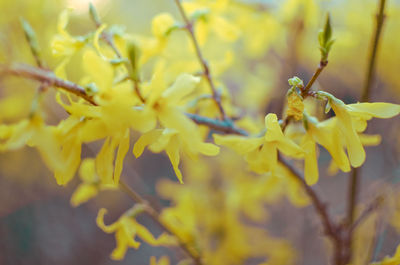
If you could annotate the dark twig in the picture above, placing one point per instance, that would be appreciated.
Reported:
(330, 228)
(321, 66)
(47, 77)
(217, 125)
(367, 212)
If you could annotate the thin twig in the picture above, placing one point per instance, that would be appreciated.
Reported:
(203, 61)
(321, 66)
(217, 125)
(155, 216)
(47, 77)
(354, 185)
(330, 228)
(367, 212)
(380, 18)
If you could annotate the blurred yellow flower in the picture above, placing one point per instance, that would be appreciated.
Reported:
(126, 229)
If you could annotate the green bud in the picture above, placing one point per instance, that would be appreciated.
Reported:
(325, 39)
(176, 26)
(32, 41)
(91, 89)
(199, 14)
(94, 15)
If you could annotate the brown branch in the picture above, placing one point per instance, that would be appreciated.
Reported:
(47, 77)
(380, 18)
(321, 66)
(155, 216)
(203, 61)
(330, 228)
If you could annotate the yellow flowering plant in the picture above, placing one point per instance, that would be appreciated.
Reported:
(175, 90)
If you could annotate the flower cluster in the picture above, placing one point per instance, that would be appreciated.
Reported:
(158, 92)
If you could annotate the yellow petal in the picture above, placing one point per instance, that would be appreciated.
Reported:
(183, 86)
(83, 193)
(327, 134)
(122, 150)
(145, 140)
(163, 240)
(100, 222)
(71, 157)
(172, 151)
(100, 71)
(274, 131)
(161, 24)
(310, 161)
(378, 109)
(370, 140)
(354, 147)
(87, 171)
(124, 240)
(241, 145)
(105, 161)
(207, 149)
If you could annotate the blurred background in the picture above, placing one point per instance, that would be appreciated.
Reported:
(39, 226)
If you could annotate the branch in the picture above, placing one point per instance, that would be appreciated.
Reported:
(367, 212)
(330, 229)
(217, 125)
(155, 216)
(203, 62)
(374, 50)
(47, 77)
(321, 66)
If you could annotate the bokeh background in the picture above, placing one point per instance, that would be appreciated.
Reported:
(39, 226)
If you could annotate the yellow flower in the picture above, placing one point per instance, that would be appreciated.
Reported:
(155, 45)
(262, 152)
(180, 132)
(63, 44)
(351, 118)
(58, 146)
(126, 229)
(212, 21)
(328, 135)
